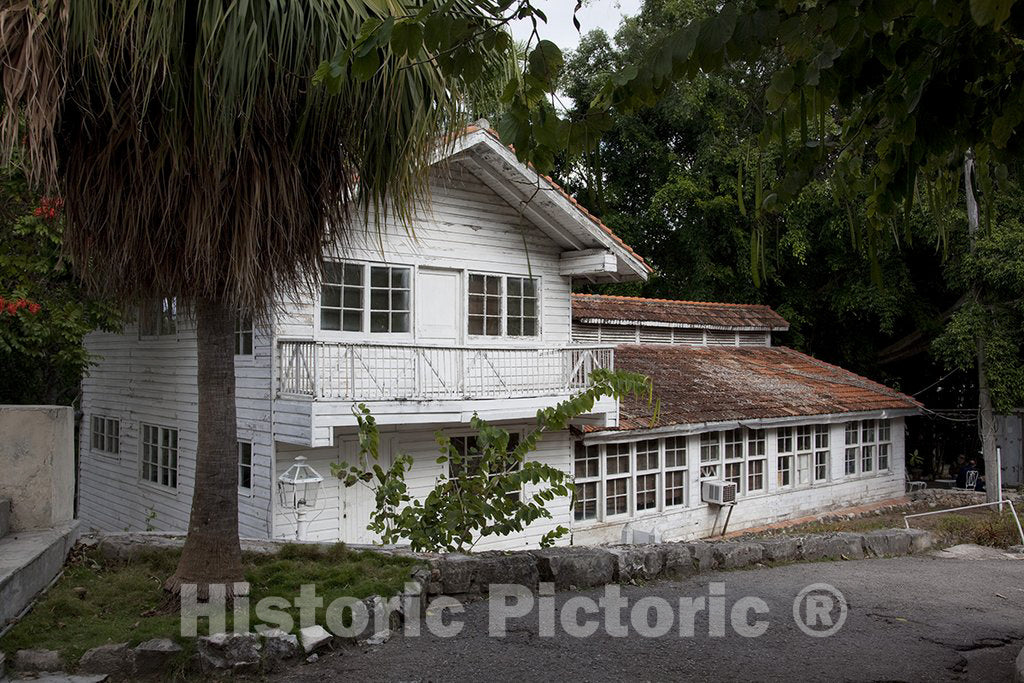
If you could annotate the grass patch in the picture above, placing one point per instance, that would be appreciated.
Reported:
(992, 529)
(979, 526)
(99, 601)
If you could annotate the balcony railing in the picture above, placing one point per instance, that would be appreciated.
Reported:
(377, 372)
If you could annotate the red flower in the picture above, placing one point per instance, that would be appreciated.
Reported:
(33, 308)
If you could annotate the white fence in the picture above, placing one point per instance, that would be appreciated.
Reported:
(379, 372)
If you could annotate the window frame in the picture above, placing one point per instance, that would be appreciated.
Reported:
(105, 434)
(587, 479)
(504, 314)
(242, 333)
(245, 490)
(165, 319)
(675, 470)
(159, 464)
(756, 451)
(785, 452)
(366, 309)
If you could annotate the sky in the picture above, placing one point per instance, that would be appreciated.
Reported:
(559, 29)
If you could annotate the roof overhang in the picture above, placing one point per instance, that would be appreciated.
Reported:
(591, 250)
(684, 429)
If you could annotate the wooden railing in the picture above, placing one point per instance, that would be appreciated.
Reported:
(391, 372)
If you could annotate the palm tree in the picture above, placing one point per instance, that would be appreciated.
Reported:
(198, 159)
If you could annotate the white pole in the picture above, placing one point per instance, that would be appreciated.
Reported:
(300, 523)
(999, 473)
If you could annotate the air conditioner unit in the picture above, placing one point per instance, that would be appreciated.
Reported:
(718, 492)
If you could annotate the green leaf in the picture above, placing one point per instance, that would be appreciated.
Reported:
(995, 12)
(545, 63)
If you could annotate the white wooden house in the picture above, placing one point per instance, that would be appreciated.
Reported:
(474, 314)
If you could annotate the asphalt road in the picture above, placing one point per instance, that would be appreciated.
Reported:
(912, 619)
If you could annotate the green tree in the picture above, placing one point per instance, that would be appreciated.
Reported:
(41, 350)
(201, 154)
(482, 494)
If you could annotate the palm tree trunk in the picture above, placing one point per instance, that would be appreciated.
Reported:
(987, 426)
(212, 553)
(986, 420)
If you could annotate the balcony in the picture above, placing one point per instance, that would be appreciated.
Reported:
(336, 371)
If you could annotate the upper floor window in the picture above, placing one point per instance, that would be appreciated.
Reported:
(500, 305)
(356, 297)
(245, 466)
(106, 435)
(159, 455)
(158, 317)
(243, 335)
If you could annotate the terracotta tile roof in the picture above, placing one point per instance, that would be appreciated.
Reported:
(582, 209)
(697, 384)
(683, 313)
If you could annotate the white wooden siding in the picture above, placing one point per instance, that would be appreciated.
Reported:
(590, 332)
(325, 522)
(154, 381)
(468, 227)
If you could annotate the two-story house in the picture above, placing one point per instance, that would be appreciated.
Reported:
(473, 313)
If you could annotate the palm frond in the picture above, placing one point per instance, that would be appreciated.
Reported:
(194, 155)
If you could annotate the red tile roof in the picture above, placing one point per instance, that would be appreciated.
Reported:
(582, 209)
(592, 307)
(697, 384)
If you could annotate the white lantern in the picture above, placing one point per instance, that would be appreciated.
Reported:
(298, 488)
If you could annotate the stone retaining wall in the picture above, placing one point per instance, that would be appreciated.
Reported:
(571, 568)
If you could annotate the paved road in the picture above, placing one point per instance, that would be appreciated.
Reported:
(913, 619)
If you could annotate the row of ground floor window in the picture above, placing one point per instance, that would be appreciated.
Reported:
(621, 478)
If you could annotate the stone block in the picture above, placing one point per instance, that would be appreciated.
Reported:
(637, 563)
(116, 659)
(576, 566)
(780, 550)
(155, 656)
(736, 554)
(237, 652)
(278, 646)
(30, 661)
(837, 546)
(678, 561)
(314, 638)
(887, 542)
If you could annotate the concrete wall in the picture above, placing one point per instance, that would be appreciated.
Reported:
(37, 464)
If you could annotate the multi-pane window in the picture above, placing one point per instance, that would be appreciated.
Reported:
(852, 438)
(472, 457)
(159, 455)
(755, 476)
(884, 445)
(756, 452)
(587, 480)
(158, 317)
(106, 435)
(522, 307)
(245, 465)
(647, 469)
(710, 455)
(617, 472)
(784, 461)
(342, 297)
(821, 451)
(804, 436)
(500, 305)
(485, 305)
(734, 474)
(675, 471)
(390, 298)
(867, 447)
(734, 444)
(243, 335)
(352, 301)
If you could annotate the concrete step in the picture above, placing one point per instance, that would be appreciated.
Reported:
(5, 516)
(29, 561)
